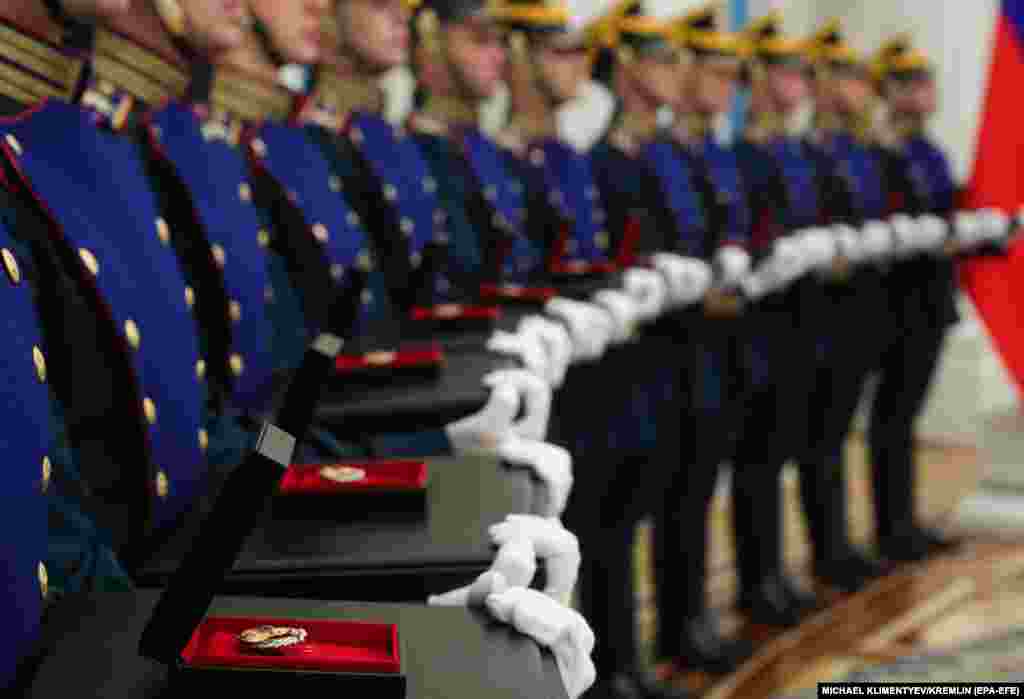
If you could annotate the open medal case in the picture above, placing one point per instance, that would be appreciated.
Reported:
(206, 651)
(356, 490)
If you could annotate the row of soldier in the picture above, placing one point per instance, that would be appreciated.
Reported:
(181, 228)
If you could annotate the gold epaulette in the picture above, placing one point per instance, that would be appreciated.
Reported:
(248, 97)
(142, 73)
(341, 95)
(33, 69)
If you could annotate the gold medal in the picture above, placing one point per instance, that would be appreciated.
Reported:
(343, 474)
(271, 638)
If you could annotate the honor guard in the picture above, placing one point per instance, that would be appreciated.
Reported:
(851, 299)
(921, 291)
(706, 192)
(781, 175)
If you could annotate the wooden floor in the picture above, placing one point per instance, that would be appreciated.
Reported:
(945, 602)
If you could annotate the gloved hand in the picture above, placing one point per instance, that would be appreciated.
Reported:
(817, 248)
(905, 231)
(556, 546)
(688, 278)
(934, 232)
(474, 594)
(733, 264)
(535, 398)
(786, 264)
(967, 229)
(556, 342)
(483, 431)
(589, 326)
(994, 224)
(876, 241)
(648, 289)
(550, 463)
(623, 310)
(527, 348)
(848, 243)
(564, 631)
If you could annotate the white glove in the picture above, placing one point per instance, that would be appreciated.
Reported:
(623, 310)
(934, 232)
(876, 240)
(967, 228)
(527, 348)
(905, 231)
(648, 289)
(734, 263)
(556, 546)
(817, 248)
(994, 224)
(473, 595)
(787, 263)
(551, 464)
(535, 398)
(688, 278)
(590, 326)
(483, 432)
(848, 242)
(556, 343)
(552, 625)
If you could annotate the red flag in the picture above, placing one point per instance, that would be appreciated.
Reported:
(997, 285)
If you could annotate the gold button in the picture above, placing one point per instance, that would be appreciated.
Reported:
(163, 485)
(149, 408)
(407, 225)
(47, 472)
(235, 309)
(337, 272)
(491, 193)
(268, 295)
(352, 218)
(237, 364)
(200, 369)
(163, 231)
(44, 580)
(416, 259)
(363, 261)
(245, 191)
(219, 255)
(40, 362)
(367, 297)
(320, 232)
(90, 261)
(334, 182)
(263, 237)
(14, 144)
(204, 440)
(429, 185)
(131, 331)
(11, 266)
(259, 147)
(390, 193)
(603, 240)
(190, 296)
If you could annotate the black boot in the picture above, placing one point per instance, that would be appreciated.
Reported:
(904, 545)
(850, 571)
(704, 648)
(777, 601)
(634, 684)
(937, 542)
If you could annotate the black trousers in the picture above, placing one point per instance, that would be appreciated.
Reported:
(715, 377)
(774, 421)
(925, 307)
(620, 479)
(854, 322)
